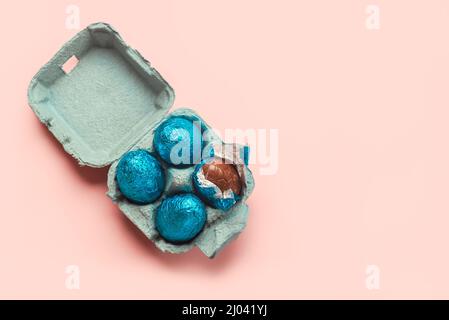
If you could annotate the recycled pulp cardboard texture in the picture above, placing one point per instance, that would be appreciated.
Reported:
(110, 103)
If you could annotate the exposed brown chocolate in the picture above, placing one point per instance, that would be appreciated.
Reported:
(223, 175)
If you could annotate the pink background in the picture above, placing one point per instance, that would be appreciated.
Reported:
(363, 173)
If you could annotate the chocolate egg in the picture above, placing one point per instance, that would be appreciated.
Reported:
(218, 183)
(178, 141)
(140, 177)
(180, 218)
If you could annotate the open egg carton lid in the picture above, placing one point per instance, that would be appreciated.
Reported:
(106, 103)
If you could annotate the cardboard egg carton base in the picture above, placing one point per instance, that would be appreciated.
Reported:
(221, 227)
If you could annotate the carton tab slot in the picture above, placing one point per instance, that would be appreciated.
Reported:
(70, 64)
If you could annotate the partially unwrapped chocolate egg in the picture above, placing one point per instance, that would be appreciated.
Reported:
(218, 183)
(140, 177)
(178, 141)
(180, 218)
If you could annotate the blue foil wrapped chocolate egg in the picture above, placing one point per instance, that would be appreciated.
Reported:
(140, 177)
(178, 141)
(180, 218)
(218, 183)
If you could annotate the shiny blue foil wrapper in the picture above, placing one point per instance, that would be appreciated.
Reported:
(178, 141)
(140, 177)
(180, 218)
(211, 194)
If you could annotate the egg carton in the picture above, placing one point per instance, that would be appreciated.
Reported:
(110, 103)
